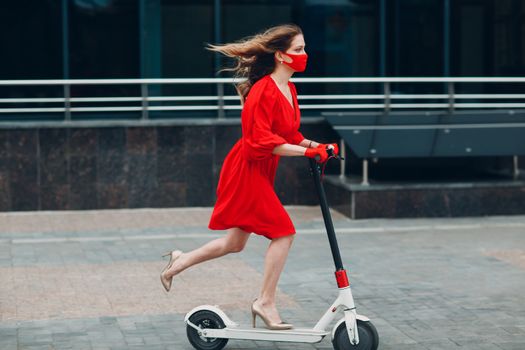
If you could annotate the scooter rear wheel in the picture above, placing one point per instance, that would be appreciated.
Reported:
(368, 337)
(205, 319)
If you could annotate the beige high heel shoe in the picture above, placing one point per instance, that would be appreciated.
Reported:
(269, 324)
(166, 282)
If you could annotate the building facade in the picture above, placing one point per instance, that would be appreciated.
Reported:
(74, 166)
(75, 39)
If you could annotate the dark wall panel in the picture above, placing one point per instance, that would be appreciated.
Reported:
(130, 167)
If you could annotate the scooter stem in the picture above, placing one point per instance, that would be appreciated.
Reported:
(326, 215)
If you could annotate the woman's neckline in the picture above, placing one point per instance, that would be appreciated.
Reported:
(292, 104)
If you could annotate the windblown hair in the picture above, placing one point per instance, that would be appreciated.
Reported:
(255, 54)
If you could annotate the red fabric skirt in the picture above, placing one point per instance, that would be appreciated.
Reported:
(246, 197)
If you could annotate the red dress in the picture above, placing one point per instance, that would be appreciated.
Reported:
(245, 194)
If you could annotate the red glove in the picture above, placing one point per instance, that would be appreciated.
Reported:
(319, 154)
(325, 146)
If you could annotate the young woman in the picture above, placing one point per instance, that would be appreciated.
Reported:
(246, 200)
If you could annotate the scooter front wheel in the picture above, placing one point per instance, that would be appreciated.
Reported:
(205, 319)
(368, 337)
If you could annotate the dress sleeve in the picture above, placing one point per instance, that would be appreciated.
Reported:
(260, 140)
(296, 138)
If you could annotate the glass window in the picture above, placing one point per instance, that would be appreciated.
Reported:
(487, 40)
(343, 36)
(239, 21)
(187, 26)
(415, 36)
(104, 39)
(31, 39)
(241, 18)
(470, 53)
(414, 33)
(508, 40)
(103, 44)
(469, 34)
(342, 39)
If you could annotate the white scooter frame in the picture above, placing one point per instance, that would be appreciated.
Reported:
(211, 327)
(344, 302)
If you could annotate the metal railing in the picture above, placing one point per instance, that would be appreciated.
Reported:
(148, 102)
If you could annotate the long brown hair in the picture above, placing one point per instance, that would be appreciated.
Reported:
(255, 54)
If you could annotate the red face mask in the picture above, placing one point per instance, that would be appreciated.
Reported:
(298, 63)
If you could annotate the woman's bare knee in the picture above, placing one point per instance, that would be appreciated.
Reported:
(236, 240)
(239, 247)
(285, 239)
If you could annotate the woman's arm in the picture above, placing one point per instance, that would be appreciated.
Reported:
(296, 150)
(289, 150)
(309, 143)
(312, 144)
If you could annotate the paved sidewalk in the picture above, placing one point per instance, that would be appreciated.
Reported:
(89, 279)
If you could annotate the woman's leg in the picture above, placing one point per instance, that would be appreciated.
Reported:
(233, 242)
(273, 266)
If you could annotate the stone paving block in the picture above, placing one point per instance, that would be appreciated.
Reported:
(439, 344)
(61, 345)
(515, 330)
(36, 347)
(81, 345)
(9, 345)
(135, 340)
(479, 346)
(387, 346)
(512, 346)
(292, 346)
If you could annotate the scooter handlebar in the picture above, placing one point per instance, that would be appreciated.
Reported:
(331, 154)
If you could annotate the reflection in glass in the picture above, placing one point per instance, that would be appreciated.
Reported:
(104, 44)
(31, 48)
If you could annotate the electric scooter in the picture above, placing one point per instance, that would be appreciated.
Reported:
(209, 328)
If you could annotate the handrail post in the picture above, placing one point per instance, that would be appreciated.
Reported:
(450, 97)
(144, 94)
(217, 11)
(220, 100)
(67, 102)
(364, 181)
(515, 168)
(342, 149)
(386, 88)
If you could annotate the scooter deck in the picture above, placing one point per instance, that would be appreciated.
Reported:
(303, 335)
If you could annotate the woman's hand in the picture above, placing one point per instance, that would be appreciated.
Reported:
(317, 153)
(312, 144)
(333, 146)
(300, 150)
